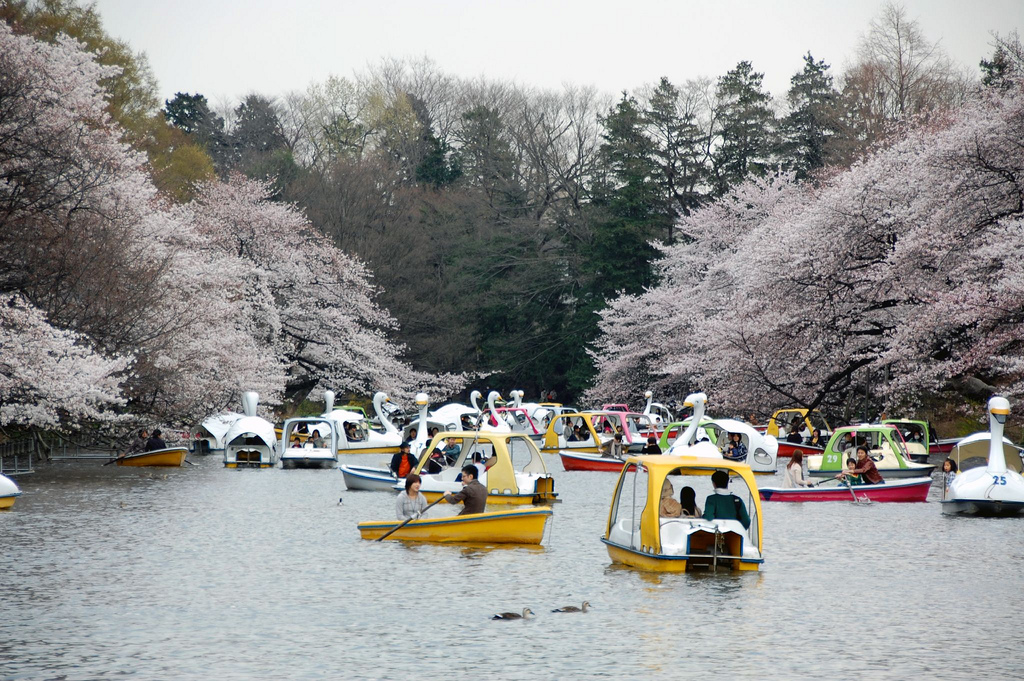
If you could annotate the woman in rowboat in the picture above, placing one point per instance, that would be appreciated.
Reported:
(794, 473)
(410, 503)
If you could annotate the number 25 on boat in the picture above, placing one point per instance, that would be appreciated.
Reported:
(637, 535)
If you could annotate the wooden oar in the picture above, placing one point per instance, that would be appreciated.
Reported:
(115, 460)
(406, 521)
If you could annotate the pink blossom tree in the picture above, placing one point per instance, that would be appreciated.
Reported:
(229, 293)
(48, 378)
(304, 301)
(900, 275)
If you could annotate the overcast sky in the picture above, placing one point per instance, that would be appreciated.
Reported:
(225, 49)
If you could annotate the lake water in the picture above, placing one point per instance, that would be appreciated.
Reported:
(208, 573)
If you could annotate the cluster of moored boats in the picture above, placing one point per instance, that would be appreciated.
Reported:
(656, 457)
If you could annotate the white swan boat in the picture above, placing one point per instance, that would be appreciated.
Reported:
(657, 412)
(308, 442)
(762, 450)
(457, 416)
(995, 489)
(250, 442)
(378, 478)
(354, 434)
(9, 492)
(209, 436)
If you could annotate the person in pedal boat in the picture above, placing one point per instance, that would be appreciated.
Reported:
(723, 504)
(669, 507)
(403, 462)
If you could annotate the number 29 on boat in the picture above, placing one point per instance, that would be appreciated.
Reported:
(639, 536)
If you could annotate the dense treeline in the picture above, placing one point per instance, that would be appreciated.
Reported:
(118, 306)
(870, 290)
(498, 220)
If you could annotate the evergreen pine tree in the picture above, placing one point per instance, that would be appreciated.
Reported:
(749, 129)
(813, 121)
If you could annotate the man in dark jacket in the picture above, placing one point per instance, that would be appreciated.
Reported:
(403, 462)
(473, 495)
(155, 442)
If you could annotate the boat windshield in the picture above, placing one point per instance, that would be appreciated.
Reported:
(637, 424)
(818, 421)
(306, 432)
(525, 455)
(628, 506)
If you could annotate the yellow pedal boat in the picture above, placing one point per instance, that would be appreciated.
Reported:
(171, 456)
(638, 535)
(512, 526)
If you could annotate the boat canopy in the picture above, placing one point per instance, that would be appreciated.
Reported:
(511, 452)
(567, 421)
(215, 427)
(883, 441)
(636, 503)
(972, 451)
(812, 420)
(251, 430)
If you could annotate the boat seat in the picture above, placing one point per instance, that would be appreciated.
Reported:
(625, 533)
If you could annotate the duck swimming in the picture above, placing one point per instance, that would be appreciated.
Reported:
(513, 615)
(573, 608)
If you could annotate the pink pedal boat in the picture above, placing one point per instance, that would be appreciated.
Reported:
(900, 490)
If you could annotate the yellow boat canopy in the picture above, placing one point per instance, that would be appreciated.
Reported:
(658, 469)
(510, 452)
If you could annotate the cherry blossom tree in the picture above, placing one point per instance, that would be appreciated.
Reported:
(48, 378)
(304, 301)
(149, 311)
(898, 276)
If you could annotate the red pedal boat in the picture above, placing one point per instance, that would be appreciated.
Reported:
(903, 490)
(579, 461)
(787, 448)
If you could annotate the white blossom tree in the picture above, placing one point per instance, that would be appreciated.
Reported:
(48, 378)
(304, 301)
(898, 276)
(150, 311)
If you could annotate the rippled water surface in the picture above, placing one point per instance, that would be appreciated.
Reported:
(204, 572)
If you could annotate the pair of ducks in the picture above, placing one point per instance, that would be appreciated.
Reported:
(527, 613)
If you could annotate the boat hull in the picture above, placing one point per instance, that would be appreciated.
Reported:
(944, 446)
(984, 508)
(352, 449)
(579, 461)
(648, 562)
(7, 501)
(786, 449)
(886, 473)
(513, 526)
(170, 457)
(368, 479)
(308, 462)
(910, 490)
(501, 499)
